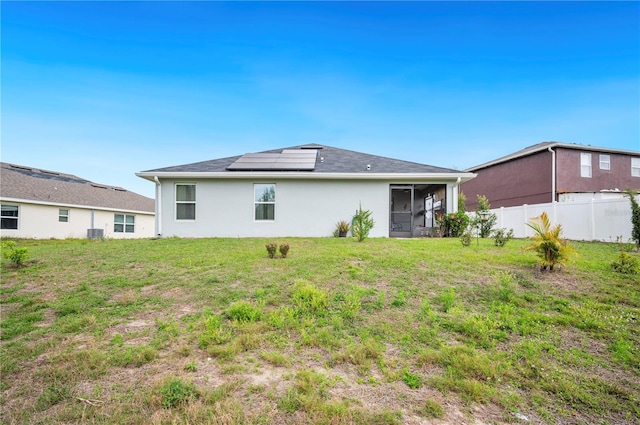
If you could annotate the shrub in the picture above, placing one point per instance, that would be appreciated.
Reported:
(271, 249)
(465, 238)
(626, 264)
(453, 224)
(362, 224)
(482, 204)
(547, 243)
(635, 217)
(501, 236)
(17, 256)
(284, 250)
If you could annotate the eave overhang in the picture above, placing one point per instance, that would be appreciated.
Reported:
(460, 177)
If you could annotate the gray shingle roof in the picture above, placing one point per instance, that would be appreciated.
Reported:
(546, 145)
(329, 160)
(32, 184)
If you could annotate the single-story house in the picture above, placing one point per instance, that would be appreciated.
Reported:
(48, 204)
(301, 191)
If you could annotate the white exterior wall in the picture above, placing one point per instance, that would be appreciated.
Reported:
(304, 208)
(41, 222)
(225, 208)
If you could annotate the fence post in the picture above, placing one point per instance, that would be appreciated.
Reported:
(592, 220)
(524, 222)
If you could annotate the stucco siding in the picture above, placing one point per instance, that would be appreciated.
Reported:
(42, 222)
(225, 208)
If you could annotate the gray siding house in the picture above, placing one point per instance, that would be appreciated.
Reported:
(300, 191)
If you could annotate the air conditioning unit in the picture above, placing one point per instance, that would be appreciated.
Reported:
(95, 233)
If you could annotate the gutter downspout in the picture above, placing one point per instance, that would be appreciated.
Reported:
(553, 174)
(158, 206)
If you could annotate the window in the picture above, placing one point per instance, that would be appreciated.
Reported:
(605, 162)
(265, 201)
(124, 223)
(185, 202)
(585, 165)
(9, 217)
(635, 168)
(63, 215)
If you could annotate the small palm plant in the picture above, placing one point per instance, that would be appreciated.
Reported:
(547, 243)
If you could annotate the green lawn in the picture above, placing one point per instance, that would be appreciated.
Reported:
(177, 331)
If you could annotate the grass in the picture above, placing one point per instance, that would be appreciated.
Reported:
(380, 332)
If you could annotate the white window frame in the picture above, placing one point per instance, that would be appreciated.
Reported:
(185, 202)
(605, 162)
(10, 217)
(63, 217)
(127, 226)
(256, 203)
(635, 167)
(585, 164)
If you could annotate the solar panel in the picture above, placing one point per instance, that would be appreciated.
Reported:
(287, 160)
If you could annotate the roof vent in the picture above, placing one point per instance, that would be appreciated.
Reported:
(311, 146)
(368, 167)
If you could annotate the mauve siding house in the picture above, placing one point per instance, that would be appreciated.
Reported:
(553, 171)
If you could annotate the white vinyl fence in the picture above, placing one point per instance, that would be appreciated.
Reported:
(607, 220)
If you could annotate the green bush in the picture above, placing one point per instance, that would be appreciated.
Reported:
(17, 256)
(362, 224)
(635, 217)
(482, 204)
(465, 238)
(501, 236)
(626, 264)
(453, 224)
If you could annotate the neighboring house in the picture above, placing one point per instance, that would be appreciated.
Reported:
(48, 204)
(300, 191)
(553, 171)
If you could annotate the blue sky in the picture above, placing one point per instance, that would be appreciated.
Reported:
(106, 89)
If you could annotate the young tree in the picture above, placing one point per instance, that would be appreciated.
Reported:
(635, 217)
(361, 224)
(482, 204)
